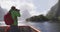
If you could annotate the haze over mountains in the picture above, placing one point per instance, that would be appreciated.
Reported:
(2, 12)
(24, 14)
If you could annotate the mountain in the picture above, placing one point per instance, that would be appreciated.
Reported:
(55, 11)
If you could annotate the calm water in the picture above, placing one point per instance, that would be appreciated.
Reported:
(46, 26)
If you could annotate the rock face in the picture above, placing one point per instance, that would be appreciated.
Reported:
(55, 11)
(58, 10)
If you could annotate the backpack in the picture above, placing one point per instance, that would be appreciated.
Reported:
(8, 19)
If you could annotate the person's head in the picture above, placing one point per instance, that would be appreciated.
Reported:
(13, 7)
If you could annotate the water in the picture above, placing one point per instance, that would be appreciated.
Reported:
(46, 26)
(42, 26)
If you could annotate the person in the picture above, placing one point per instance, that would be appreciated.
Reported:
(14, 13)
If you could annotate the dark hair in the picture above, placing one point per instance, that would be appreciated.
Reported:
(13, 7)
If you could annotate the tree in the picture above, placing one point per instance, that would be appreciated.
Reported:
(38, 18)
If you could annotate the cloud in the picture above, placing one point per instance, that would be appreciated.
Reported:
(20, 4)
(26, 7)
(34, 6)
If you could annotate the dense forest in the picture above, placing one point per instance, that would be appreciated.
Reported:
(38, 18)
(42, 18)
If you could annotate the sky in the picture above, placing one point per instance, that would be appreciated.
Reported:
(35, 7)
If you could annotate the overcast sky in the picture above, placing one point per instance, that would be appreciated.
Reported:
(35, 7)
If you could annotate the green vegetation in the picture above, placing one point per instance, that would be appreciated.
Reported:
(38, 18)
(42, 18)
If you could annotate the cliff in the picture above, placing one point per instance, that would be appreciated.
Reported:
(55, 11)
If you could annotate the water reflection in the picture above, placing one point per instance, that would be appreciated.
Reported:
(47, 26)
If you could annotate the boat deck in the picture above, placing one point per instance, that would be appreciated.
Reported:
(21, 28)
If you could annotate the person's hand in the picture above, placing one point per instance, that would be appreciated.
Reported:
(17, 10)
